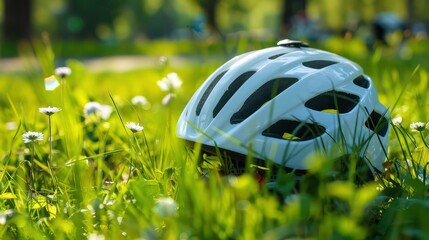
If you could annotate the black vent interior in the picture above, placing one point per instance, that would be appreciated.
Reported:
(318, 64)
(276, 56)
(207, 92)
(232, 89)
(262, 95)
(294, 130)
(377, 123)
(333, 102)
(361, 81)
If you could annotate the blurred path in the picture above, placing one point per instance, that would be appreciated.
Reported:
(10, 65)
(100, 64)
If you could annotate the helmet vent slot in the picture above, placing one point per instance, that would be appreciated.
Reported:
(318, 64)
(333, 102)
(232, 89)
(261, 96)
(208, 91)
(377, 123)
(361, 81)
(276, 56)
(294, 130)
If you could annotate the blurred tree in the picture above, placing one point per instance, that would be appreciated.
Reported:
(141, 19)
(17, 19)
(84, 17)
(161, 22)
(291, 9)
(410, 10)
(210, 11)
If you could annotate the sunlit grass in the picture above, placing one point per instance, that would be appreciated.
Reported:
(116, 181)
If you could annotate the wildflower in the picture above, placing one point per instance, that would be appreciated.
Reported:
(142, 101)
(134, 127)
(32, 136)
(95, 108)
(418, 126)
(105, 111)
(166, 207)
(63, 71)
(397, 121)
(169, 83)
(91, 108)
(139, 100)
(167, 99)
(49, 110)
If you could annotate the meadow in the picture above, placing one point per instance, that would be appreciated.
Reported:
(109, 165)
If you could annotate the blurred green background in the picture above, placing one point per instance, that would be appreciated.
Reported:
(113, 48)
(120, 25)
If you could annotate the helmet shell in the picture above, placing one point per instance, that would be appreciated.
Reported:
(283, 103)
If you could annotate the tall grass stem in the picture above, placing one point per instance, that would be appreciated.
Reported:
(54, 180)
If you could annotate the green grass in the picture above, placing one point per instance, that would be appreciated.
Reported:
(92, 159)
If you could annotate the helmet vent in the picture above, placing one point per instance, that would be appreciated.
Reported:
(262, 95)
(294, 131)
(333, 102)
(232, 89)
(318, 64)
(361, 81)
(208, 91)
(377, 123)
(276, 56)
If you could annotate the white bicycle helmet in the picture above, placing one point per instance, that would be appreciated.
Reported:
(283, 103)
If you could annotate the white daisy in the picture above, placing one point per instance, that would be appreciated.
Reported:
(169, 83)
(63, 71)
(49, 110)
(96, 108)
(32, 136)
(167, 99)
(141, 101)
(91, 108)
(105, 111)
(134, 127)
(397, 121)
(418, 126)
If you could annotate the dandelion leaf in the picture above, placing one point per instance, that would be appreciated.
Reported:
(7, 195)
(52, 210)
(38, 202)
